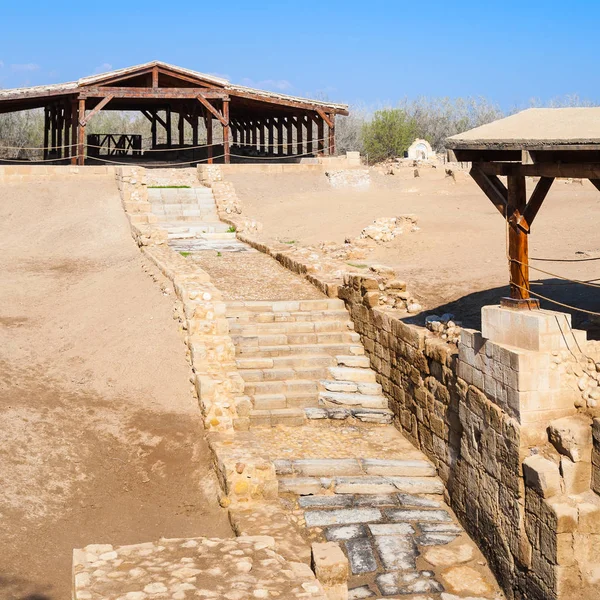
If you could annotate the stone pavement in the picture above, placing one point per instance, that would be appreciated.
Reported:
(314, 459)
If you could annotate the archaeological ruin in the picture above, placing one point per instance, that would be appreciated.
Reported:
(360, 449)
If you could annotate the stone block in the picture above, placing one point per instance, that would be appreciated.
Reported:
(577, 476)
(331, 568)
(542, 475)
(538, 330)
(350, 516)
(572, 437)
(361, 556)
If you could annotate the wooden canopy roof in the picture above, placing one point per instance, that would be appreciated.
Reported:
(540, 142)
(159, 81)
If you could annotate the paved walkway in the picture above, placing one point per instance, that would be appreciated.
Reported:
(341, 479)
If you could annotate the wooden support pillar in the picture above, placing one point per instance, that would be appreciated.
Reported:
(46, 131)
(299, 134)
(181, 127)
(518, 246)
(209, 136)
(309, 134)
(74, 132)
(253, 129)
(53, 130)
(279, 136)
(261, 129)
(168, 127)
(331, 134)
(195, 126)
(60, 124)
(153, 128)
(271, 130)
(226, 151)
(320, 135)
(290, 136)
(68, 125)
(81, 136)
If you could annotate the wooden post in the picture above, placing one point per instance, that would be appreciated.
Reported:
(299, 136)
(195, 126)
(320, 135)
(271, 128)
(81, 136)
(153, 128)
(518, 250)
(74, 132)
(180, 127)
(67, 111)
(60, 122)
(261, 130)
(168, 128)
(309, 134)
(46, 131)
(226, 151)
(53, 125)
(209, 136)
(279, 136)
(332, 134)
(253, 128)
(290, 136)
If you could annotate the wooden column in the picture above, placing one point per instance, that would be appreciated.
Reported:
(53, 130)
(271, 128)
(46, 131)
(332, 134)
(279, 136)
(181, 128)
(195, 127)
(253, 129)
(60, 124)
(299, 136)
(209, 136)
(81, 135)
(74, 132)
(518, 242)
(168, 127)
(320, 135)
(290, 136)
(261, 131)
(309, 134)
(226, 151)
(67, 137)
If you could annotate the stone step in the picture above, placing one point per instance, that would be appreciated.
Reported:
(300, 400)
(358, 375)
(333, 399)
(367, 485)
(299, 361)
(235, 315)
(283, 350)
(271, 339)
(287, 387)
(283, 373)
(351, 387)
(289, 417)
(382, 416)
(286, 305)
(342, 467)
(288, 327)
(361, 362)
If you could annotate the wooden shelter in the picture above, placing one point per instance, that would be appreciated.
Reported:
(544, 143)
(276, 125)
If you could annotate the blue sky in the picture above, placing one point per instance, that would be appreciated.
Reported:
(369, 51)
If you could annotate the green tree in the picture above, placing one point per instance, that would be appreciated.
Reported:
(389, 133)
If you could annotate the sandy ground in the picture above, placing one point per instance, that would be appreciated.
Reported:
(101, 440)
(456, 262)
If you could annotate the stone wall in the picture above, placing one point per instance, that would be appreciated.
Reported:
(10, 173)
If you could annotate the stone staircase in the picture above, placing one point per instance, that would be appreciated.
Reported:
(303, 360)
(190, 217)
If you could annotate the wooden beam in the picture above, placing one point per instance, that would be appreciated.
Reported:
(537, 198)
(141, 93)
(271, 134)
(320, 136)
(212, 109)
(46, 130)
(299, 135)
(169, 127)
(309, 134)
(96, 110)
(332, 135)
(325, 117)
(285, 102)
(74, 132)
(583, 171)
(155, 77)
(490, 186)
(209, 136)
